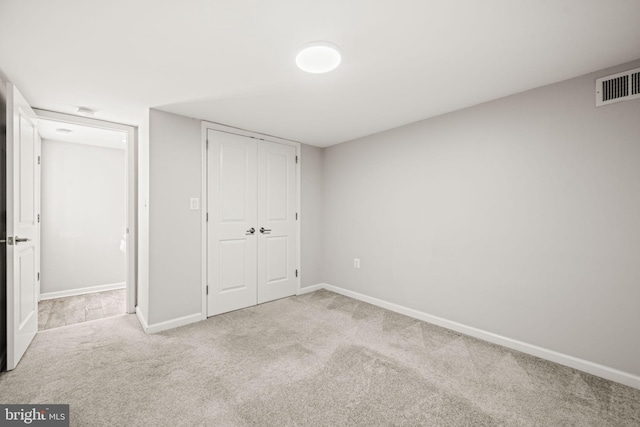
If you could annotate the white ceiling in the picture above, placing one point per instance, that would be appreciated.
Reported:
(81, 134)
(233, 62)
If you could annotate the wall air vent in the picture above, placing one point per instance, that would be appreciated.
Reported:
(618, 87)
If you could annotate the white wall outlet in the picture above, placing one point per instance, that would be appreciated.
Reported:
(356, 263)
(194, 204)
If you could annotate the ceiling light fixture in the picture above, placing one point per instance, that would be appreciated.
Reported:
(62, 130)
(318, 57)
(84, 111)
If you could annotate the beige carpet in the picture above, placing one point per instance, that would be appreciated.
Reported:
(319, 359)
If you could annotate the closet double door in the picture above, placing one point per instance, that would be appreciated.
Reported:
(251, 227)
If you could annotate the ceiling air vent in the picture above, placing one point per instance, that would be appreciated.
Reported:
(618, 87)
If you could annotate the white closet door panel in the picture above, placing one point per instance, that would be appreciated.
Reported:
(232, 258)
(277, 216)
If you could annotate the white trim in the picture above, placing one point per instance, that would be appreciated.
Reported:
(243, 132)
(82, 291)
(169, 324)
(298, 218)
(131, 176)
(39, 211)
(81, 120)
(203, 219)
(131, 268)
(602, 371)
(142, 320)
(312, 288)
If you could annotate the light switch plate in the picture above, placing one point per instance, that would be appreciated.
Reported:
(194, 204)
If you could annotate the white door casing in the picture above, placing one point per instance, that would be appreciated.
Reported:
(22, 226)
(38, 210)
(232, 211)
(277, 215)
(252, 229)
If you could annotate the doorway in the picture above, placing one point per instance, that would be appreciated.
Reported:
(82, 223)
(252, 219)
(88, 224)
(21, 145)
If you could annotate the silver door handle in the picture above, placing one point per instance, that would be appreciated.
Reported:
(265, 230)
(250, 231)
(21, 239)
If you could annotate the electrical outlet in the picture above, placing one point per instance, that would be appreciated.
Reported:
(356, 263)
(194, 204)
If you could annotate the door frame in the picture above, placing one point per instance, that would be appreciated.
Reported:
(131, 179)
(205, 127)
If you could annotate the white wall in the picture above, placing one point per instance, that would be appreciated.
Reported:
(519, 217)
(175, 174)
(311, 215)
(83, 216)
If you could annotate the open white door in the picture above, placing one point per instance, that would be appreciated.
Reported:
(22, 226)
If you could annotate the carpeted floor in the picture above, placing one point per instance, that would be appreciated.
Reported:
(319, 359)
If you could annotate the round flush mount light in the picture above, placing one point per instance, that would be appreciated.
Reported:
(63, 130)
(84, 111)
(318, 57)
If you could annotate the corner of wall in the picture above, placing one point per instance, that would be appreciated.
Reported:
(143, 220)
(311, 214)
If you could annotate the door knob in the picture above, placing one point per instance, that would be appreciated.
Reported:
(21, 239)
(265, 230)
(250, 231)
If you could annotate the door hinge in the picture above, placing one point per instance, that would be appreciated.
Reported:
(296, 273)
(39, 217)
(207, 289)
(38, 159)
(207, 217)
(38, 276)
(207, 144)
(296, 159)
(296, 216)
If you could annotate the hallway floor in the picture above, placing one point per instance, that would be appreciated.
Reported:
(54, 313)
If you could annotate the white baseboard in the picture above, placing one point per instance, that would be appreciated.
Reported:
(142, 320)
(311, 288)
(606, 372)
(82, 291)
(169, 324)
